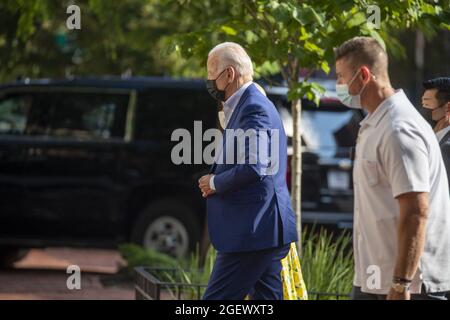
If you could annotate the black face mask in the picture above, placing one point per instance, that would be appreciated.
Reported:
(428, 115)
(211, 86)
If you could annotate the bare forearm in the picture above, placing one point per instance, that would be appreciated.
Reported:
(411, 240)
(411, 234)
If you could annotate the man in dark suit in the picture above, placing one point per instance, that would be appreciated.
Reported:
(250, 218)
(436, 98)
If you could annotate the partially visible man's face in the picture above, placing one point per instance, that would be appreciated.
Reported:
(215, 73)
(429, 100)
(344, 74)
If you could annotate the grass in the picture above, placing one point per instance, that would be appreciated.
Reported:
(327, 262)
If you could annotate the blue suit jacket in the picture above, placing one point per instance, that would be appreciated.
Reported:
(251, 210)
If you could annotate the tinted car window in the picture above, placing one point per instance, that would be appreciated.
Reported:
(13, 114)
(68, 114)
(162, 111)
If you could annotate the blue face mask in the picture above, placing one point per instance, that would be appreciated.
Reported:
(346, 98)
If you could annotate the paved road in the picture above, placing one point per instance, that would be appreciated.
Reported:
(42, 275)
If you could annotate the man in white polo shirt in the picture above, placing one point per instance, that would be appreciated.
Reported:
(402, 204)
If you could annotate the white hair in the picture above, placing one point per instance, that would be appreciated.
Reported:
(232, 54)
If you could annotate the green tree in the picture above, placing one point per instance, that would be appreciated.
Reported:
(116, 37)
(290, 36)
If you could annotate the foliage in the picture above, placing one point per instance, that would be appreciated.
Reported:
(326, 261)
(297, 38)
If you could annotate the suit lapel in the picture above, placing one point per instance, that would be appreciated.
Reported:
(232, 119)
(239, 105)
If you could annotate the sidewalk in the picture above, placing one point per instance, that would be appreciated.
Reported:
(42, 275)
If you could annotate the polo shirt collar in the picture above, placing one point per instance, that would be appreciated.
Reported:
(375, 118)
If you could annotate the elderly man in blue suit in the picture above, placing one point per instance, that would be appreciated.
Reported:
(250, 218)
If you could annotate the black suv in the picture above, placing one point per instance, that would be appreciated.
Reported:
(87, 162)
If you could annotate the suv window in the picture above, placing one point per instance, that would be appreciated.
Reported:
(82, 115)
(13, 114)
(87, 115)
(161, 111)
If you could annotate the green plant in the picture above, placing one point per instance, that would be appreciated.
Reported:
(138, 256)
(186, 271)
(327, 262)
(189, 273)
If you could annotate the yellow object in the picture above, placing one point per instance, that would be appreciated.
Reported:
(293, 285)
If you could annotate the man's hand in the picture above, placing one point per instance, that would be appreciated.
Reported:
(394, 295)
(204, 185)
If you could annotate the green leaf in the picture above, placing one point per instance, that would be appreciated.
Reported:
(310, 46)
(282, 13)
(357, 20)
(311, 90)
(444, 25)
(325, 67)
(374, 34)
(229, 30)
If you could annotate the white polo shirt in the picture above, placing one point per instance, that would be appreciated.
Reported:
(397, 152)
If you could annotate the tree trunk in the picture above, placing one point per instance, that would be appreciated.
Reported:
(296, 168)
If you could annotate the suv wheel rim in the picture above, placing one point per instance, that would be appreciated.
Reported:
(168, 235)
